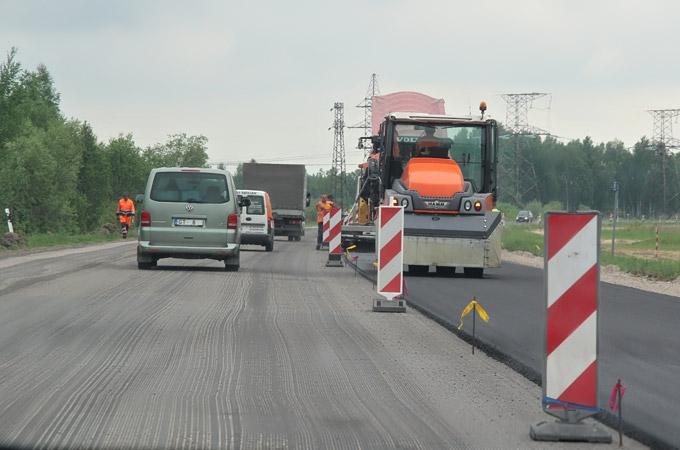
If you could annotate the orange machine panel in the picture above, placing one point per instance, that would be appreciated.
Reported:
(433, 177)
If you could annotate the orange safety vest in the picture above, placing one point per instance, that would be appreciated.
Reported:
(320, 211)
(126, 205)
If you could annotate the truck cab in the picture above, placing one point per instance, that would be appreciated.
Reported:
(439, 159)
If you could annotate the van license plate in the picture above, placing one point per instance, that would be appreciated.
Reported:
(189, 222)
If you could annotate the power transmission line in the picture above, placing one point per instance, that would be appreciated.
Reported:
(517, 113)
(338, 159)
(367, 106)
(663, 127)
(517, 123)
(663, 142)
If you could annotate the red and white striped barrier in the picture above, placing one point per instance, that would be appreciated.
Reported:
(326, 227)
(390, 247)
(334, 247)
(572, 273)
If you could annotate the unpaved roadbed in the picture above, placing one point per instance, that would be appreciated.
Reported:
(283, 354)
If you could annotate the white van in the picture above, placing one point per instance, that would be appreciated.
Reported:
(257, 223)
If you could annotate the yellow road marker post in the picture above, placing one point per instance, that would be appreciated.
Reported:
(475, 308)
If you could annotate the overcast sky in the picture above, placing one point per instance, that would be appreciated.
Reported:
(258, 78)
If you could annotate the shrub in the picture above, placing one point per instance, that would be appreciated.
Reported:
(12, 240)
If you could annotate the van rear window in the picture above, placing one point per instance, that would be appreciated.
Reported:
(190, 187)
(256, 207)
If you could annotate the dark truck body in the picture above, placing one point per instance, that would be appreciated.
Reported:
(287, 188)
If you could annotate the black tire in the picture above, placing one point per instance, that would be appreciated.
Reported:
(233, 263)
(269, 246)
(446, 271)
(290, 238)
(415, 269)
(298, 238)
(144, 265)
(474, 272)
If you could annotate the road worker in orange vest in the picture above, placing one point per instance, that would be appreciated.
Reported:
(320, 211)
(125, 213)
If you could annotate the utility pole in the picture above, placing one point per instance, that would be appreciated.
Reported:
(517, 123)
(367, 106)
(663, 142)
(338, 163)
(615, 188)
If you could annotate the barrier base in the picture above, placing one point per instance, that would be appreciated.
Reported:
(396, 305)
(334, 261)
(565, 431)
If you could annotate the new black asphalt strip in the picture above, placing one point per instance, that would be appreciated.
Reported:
(639, 336)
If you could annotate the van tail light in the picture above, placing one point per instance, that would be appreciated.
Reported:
(232, 221)
(146, 219)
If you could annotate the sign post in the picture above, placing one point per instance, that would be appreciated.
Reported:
(10, 227)
(390, 247)
(570, 372)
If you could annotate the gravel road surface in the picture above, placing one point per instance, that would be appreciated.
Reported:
(285, 353)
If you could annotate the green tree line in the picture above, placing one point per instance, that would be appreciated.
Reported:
(580, 174)
(55, 175)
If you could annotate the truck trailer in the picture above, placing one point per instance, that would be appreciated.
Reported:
(287, 188)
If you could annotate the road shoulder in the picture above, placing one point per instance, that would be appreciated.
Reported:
(10, 259)
(608, 274)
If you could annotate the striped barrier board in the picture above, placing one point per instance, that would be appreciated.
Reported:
(390, 248)
(572, 277)
(326, 227)
(334, 247)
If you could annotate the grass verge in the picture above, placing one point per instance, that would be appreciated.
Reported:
(53, 239)
(47, 240)
(522, 238)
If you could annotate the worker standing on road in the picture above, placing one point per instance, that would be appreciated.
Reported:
(320, 211)
(330, 202)
(125, 212)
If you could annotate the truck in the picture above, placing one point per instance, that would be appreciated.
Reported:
(287, 188)
(442, 170)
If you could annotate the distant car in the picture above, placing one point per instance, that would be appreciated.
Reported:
(190, 213)
(257, 222)
(524, 216)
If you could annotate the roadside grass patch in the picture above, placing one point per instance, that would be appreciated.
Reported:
(522, 238)
(644, 235)
(660, 269)
(668, 240)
